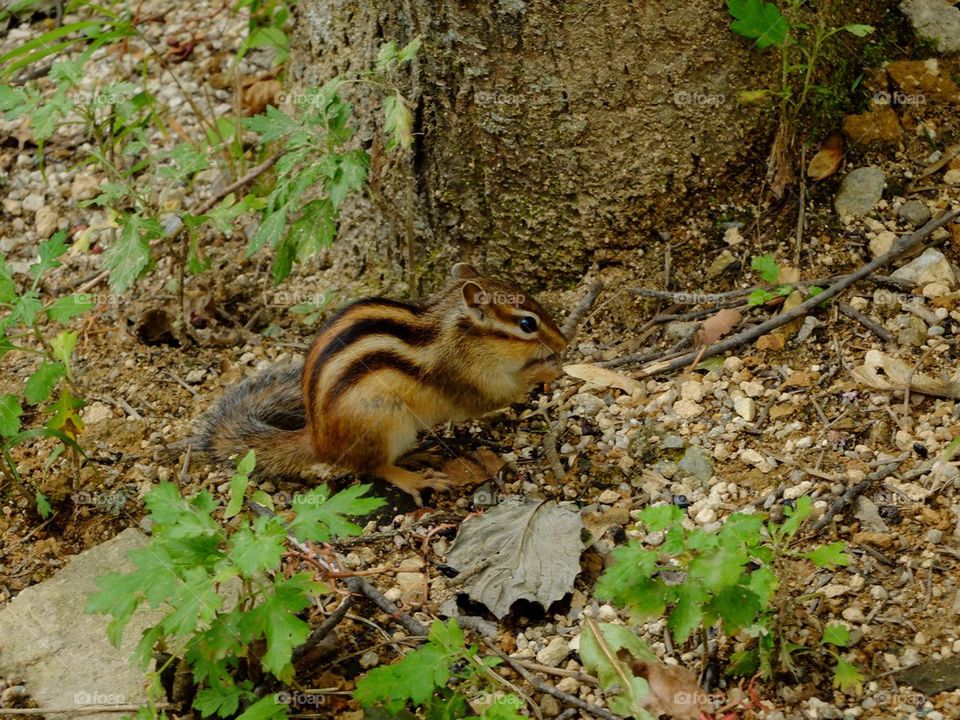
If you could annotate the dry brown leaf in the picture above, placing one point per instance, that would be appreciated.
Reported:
(828, 158)
(788, 275)
(480, 466)
(717, 325)
(882, 372)
(782, 411)
(674, 690)
(603, 377)
(801, 379)
(261, 93)
(777, 339)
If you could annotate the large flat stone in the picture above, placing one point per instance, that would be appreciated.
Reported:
(61, 653)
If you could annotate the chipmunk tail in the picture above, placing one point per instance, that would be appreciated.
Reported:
(265, 413)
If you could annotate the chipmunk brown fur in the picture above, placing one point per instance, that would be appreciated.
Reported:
(381, 371)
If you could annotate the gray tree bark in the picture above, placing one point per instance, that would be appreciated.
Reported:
(549, 135)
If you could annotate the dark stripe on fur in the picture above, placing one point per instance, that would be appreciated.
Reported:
(371, 363)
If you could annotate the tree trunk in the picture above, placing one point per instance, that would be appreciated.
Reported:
(549, 135)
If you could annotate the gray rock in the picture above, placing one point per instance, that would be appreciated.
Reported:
(930, 267)
(914, 212)
(696, 463)
(672, 442)
(937, 20)
(676, 331)
(860, 192)
(61, 652)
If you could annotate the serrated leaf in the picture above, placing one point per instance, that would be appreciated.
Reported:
(66, 308)
(8, 288)
(314, 230)
(827, 556)
(736, 606)
(386, 56)
(661, 517)
(410, 50)
(62, 346)
(258, 548)
(272, 125)
(398, 121)
(270, 231)
(351, 174)
(26, 309)
(766, 267)
(847, 677)
(128, 256)
(10, 412)
(238, 490)
(265, 709)
(795, 516)
(600, 644)
(687, 613)
(41, 383)
(320, 517)
(836, 634)
(719, 568)
(760, 21)
(49, 252)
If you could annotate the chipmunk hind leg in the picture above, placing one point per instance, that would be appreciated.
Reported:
(412, 482)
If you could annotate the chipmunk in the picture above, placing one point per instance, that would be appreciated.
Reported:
(381, 371)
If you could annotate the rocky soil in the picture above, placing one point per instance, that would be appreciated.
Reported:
(804, 410)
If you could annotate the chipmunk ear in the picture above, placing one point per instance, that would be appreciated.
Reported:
(474, 298)
(463, 271)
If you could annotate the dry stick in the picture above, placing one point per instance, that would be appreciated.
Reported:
(801, 215)
(324, 628)
(78, 710)
(576, 315)
(876, 328)
(852, 494)
(901, 247)
(550, 690)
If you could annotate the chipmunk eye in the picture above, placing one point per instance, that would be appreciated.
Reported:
(528, 323)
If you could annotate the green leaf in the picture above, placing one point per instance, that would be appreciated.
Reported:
(744, 663)
(315, 229)
(186, 162)
(8, 289)
(273, 125)
(43, 505)
(661, 517)
(66, 308)
(276, 619)
(836, 634)
(41, 383)
(687, 613)
(737, 607)
(828, 556)
(719, 568)
(763, 582)
(410, 50)
(766, 267)
(128, 257)
(625, 693)
(238, 490)
(398, 121)
(10, 412)
(847, 677)
(259, 548)
(319, 517)
(351, 175)
(195, 602)
(386, 56)
(859, 30)
(266, 709)
(26, 309)
(49, 251)
(270, 231)
(62, 346)
(795, 516)
(760, 21)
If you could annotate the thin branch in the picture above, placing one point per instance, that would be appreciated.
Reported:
(576, 315)
(876, 328)
(903, 246)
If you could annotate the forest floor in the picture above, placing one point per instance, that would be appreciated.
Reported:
(753, 430)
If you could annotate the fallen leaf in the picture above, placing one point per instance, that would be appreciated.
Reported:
(801, 379)
(601, 645)
(261, 93)
(788, 275)
(604, 377)
(828, 158)
(477, 467)
(882, 372)
(674, 690)
(532, 550)
(777, 339)
(717, 325)
(782, 411)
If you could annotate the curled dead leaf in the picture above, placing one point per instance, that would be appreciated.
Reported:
(828, 158)
(259, 94)
(674, 690)
(882, 372)
(603, 377)
(473, 469)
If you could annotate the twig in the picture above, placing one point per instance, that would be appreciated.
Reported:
(583, 307)
(801, 215)
(901, 247)
(550, 447)
(550, 690)
(852, 494)
(324, 628)
(876, 328)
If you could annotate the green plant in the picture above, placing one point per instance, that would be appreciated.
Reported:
(768, 269)
(316, 170)
(34, 327)
(229, 612)
(728, 578)
(441, 678)
(799, 35)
